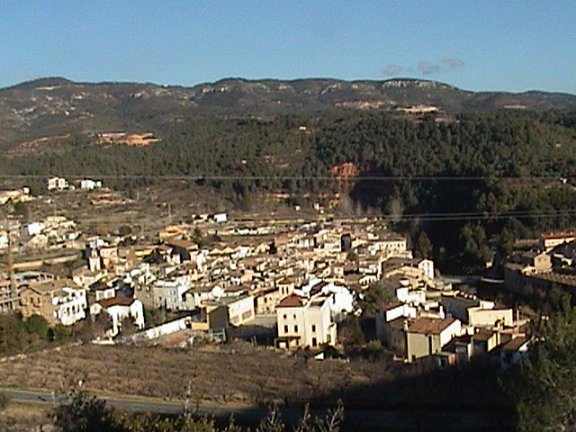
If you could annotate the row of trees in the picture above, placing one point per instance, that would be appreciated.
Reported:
(18, 335)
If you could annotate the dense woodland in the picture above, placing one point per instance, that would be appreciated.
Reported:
(468, 185)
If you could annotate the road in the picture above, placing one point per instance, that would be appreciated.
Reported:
(430, 420)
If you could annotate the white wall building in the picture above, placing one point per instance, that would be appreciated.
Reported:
(119, 308)
(340, 298)
(70, 305)
(305, 322)
(87, 184)
(170, 293)
(57, 183)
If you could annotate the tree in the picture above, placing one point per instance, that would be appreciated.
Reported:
(38, 325)
(377, 294)
(80, 412)
(4, 401)
(423, 246)
(542, 391)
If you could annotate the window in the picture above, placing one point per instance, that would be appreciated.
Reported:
(295, 329)
(294, 316)
(285, 329)
(284, 316)
(314, 342)
(313, 328)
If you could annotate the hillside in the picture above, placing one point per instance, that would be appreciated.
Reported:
(54, 109)
(246, 143)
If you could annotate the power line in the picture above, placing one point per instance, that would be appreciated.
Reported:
(200, 177)
(404, 217)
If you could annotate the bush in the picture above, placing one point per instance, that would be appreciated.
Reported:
(4, 401)
(38, 325)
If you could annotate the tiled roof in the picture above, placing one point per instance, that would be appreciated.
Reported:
(425, 325)
(117, 301)
(291, 301)
(385, 307)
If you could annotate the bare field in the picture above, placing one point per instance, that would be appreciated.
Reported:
(238, 374)
(18, 417)
(242, 375)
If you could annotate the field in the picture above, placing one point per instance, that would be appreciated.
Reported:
(24, 418)
(243, 375)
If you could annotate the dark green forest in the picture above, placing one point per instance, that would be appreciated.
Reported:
(470, 184)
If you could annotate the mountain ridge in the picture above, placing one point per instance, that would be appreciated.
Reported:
(52, 106)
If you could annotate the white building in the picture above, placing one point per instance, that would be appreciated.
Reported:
(220, 218)
(406, 294)
(305, 322)
(35, 228)
(171, 293)
(57, 183)
(426, 266)
(87, 184)
(341, 299)
(119, 308)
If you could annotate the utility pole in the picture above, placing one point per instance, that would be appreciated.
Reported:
(13, 288)
(9, 294)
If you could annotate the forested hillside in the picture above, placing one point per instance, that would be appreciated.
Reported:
(466, 183)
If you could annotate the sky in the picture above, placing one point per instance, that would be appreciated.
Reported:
(510, 45)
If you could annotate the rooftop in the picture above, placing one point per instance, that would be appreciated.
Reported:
(515, 344)
(292, 300)
(425, 325)
(117, 301)
(385, 307)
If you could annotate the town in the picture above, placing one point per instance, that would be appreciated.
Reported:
(288, 284)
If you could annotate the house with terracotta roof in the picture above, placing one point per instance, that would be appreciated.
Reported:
(120, 308)
(305, 321)
(427, 336)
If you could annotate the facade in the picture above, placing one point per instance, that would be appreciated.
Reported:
(305, 322)
(171, 293)
(119, 308)
(59, 302)
(240, 310)
(426, 266)
(550, 241)
(8, 296)
(514, 352)
(427, 336)
(478, 317)
(267, 300)
(57, 183)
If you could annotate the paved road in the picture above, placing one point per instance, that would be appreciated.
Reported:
(356, 419)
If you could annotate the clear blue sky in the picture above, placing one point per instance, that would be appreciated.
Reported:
(511, 45)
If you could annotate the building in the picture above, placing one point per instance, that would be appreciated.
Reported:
(427, 336)
(305, 322)
(171, 293)
(120, 308)
(397, 312)
(59, 302)
(57, 183)
(267, 300)
(514, 352)
(549, 241)
(88, 184)
(481, 317)
(240, 310)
